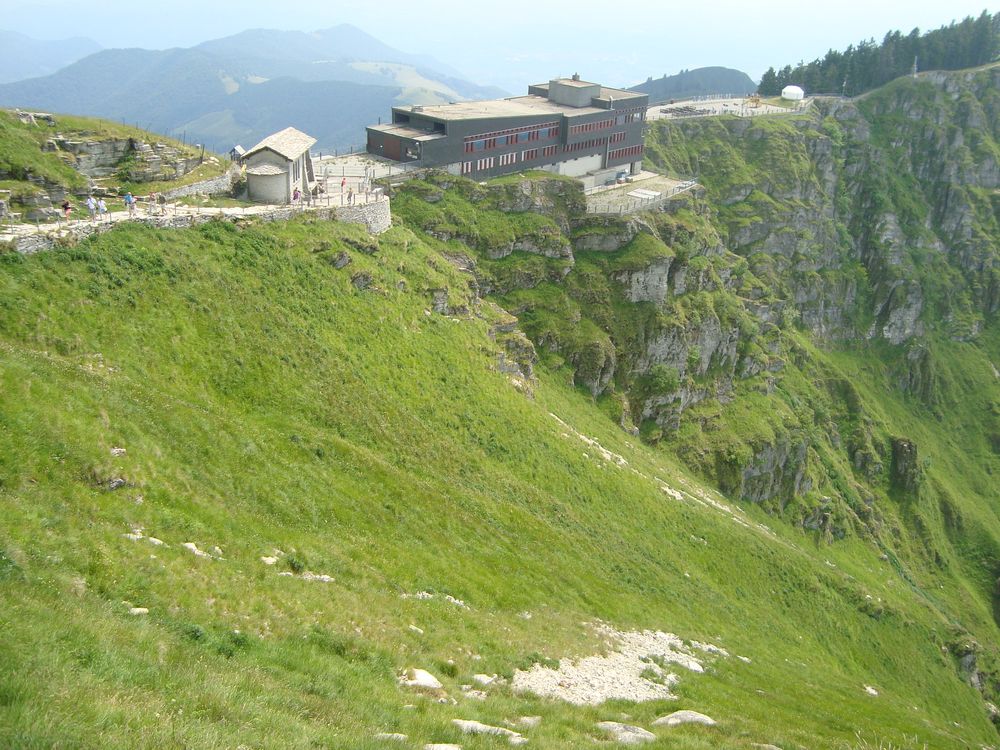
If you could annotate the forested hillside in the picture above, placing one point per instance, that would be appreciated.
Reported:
(868, 64)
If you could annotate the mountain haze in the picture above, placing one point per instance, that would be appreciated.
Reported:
(697, 82)
(238, 88)
(22, 57)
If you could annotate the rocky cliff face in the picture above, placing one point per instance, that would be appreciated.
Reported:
(874, 221)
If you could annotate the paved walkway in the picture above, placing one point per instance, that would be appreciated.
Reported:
(355, 167)
(146, 213)
(714, 107)
(647, 191)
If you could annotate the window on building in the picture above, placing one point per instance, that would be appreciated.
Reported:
(466, 167)
(549, 151)
(296, 170)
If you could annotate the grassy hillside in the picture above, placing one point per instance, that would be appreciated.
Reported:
(266, 402)
(38, 173)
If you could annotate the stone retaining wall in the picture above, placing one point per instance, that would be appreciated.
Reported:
(377, 218)
(221, 185)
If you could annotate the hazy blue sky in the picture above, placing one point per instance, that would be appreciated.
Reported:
(510, 44)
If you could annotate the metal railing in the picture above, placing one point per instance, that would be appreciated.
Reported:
(634, 205)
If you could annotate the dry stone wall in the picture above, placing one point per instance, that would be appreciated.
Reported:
(220, 185)
(377, 218)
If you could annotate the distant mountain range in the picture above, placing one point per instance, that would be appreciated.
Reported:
(697, 82)
(329, 83)
(23, 57)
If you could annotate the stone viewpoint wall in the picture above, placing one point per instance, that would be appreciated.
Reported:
(377, 218)
(220, 185)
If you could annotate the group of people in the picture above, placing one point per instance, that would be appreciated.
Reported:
(97, 208)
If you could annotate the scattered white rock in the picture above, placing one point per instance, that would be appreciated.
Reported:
(269, 560)
(626, 733)
(684, 717)
(484, 679)
(415, 629)
(526, 615)
(529, 722)
(217, 551)
(322, 577)
(420, 678)
(477, 695)
(708, 648)
(118, 451)
(871, 691)
(476, 727)
(137, 535)
(766, 747)
(287, 574)
(623, 673)
(418, 595)
(744, 659)
(442, 746)
(424, 595)
(391, 736)
(194, 549)
(138, 610)
(607, 455)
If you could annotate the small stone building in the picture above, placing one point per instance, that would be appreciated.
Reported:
(278, 165)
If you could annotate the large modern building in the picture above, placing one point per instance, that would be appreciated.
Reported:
(567, 126)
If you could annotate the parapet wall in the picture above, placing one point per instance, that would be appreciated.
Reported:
(220, 185)
(376, 216)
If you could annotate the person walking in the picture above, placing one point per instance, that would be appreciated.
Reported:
(92, 208)
(66, 209)
(102, 209)
(350, 196)
(130, 204)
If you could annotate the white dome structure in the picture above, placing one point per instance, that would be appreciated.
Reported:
(793, 93)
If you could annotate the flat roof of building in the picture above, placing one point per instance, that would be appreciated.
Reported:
(573, 82)
(606, 94)
(517, 106)
(402, 131)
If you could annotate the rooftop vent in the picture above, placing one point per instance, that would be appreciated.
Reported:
(576, 76)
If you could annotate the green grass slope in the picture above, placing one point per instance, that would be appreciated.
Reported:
(32, 173)
(266, 402)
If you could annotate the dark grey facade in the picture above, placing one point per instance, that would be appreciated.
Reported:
(567, 126)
